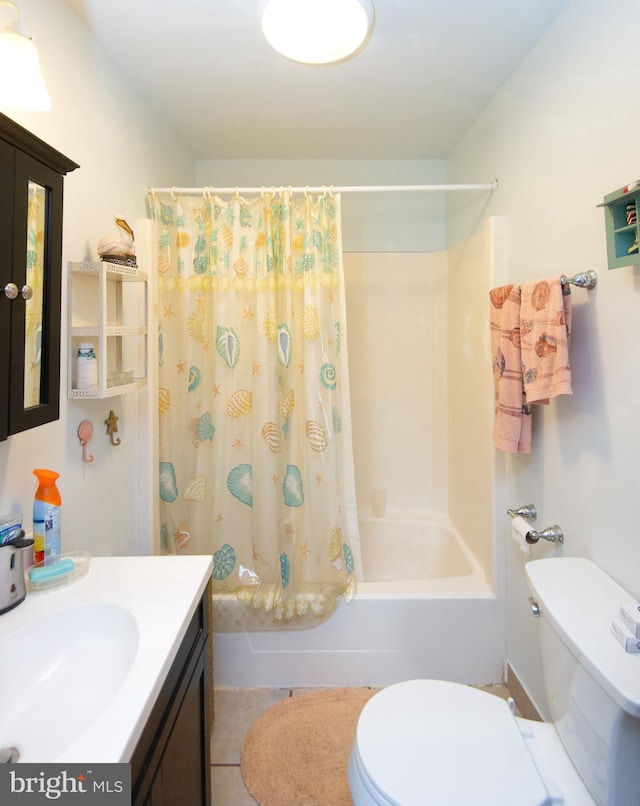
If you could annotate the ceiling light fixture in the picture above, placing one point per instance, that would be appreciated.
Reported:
(317, 31)
(21, 83)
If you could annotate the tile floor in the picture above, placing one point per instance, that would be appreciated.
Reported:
(235, 711)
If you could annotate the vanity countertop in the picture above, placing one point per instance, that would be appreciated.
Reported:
(161, 593)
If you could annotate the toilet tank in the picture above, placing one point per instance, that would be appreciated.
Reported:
(592, 684)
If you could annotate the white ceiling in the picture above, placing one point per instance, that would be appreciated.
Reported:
(428, 70)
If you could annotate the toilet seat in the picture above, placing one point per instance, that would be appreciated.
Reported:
(432, 741)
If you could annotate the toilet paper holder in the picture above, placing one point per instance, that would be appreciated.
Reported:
(553, 534)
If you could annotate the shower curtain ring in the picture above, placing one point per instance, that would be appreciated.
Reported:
(236, 195)
(173, 193)
(331, 191)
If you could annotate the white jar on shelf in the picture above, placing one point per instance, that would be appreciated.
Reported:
(86, 367)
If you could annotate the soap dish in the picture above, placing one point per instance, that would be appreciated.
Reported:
(66, 569)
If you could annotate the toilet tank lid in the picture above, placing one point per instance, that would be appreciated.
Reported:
(581, 600)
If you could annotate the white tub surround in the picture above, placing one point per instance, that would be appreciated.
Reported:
(161, 594)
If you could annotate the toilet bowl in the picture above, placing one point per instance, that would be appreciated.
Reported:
(424, 742)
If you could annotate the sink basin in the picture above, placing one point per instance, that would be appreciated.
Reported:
(59, 672)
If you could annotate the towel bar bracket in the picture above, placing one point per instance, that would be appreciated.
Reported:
(586, 279)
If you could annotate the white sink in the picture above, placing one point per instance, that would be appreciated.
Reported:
(59, 672)
(82, 664)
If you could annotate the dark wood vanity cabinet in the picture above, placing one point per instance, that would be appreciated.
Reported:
(171, 763)
(31, 191)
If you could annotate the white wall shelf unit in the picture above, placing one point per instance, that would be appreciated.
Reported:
(108, 307)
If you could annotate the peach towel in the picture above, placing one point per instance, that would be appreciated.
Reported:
(545, 332)
(512, 424)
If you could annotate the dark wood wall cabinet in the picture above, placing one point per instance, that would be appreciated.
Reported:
(31, 195)
(171, 763)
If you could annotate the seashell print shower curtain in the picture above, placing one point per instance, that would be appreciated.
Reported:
(256, 463)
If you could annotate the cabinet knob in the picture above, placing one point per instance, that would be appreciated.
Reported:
(11, 291)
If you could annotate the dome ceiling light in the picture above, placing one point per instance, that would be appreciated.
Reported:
(317, 31)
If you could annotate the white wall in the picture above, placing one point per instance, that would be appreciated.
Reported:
(98, 121)
(561, 134)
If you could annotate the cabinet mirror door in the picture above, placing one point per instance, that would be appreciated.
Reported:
(32, 293)
(35, 311)
(6, 276)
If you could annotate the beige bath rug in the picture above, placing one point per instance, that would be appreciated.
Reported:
(296, 753)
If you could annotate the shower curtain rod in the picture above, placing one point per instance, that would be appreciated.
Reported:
(327, 189)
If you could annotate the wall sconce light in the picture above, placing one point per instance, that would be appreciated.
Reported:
(317, 31)
(21, 83)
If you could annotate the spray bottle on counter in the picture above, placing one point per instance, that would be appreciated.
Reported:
(46, 518)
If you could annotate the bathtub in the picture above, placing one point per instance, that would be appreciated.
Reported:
(423, 609)
(413, 554)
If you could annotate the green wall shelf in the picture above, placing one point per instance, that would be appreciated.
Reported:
(621, 225)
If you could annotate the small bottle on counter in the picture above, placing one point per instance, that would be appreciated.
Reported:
(46, 517)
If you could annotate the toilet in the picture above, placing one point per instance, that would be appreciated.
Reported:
(424, 742)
